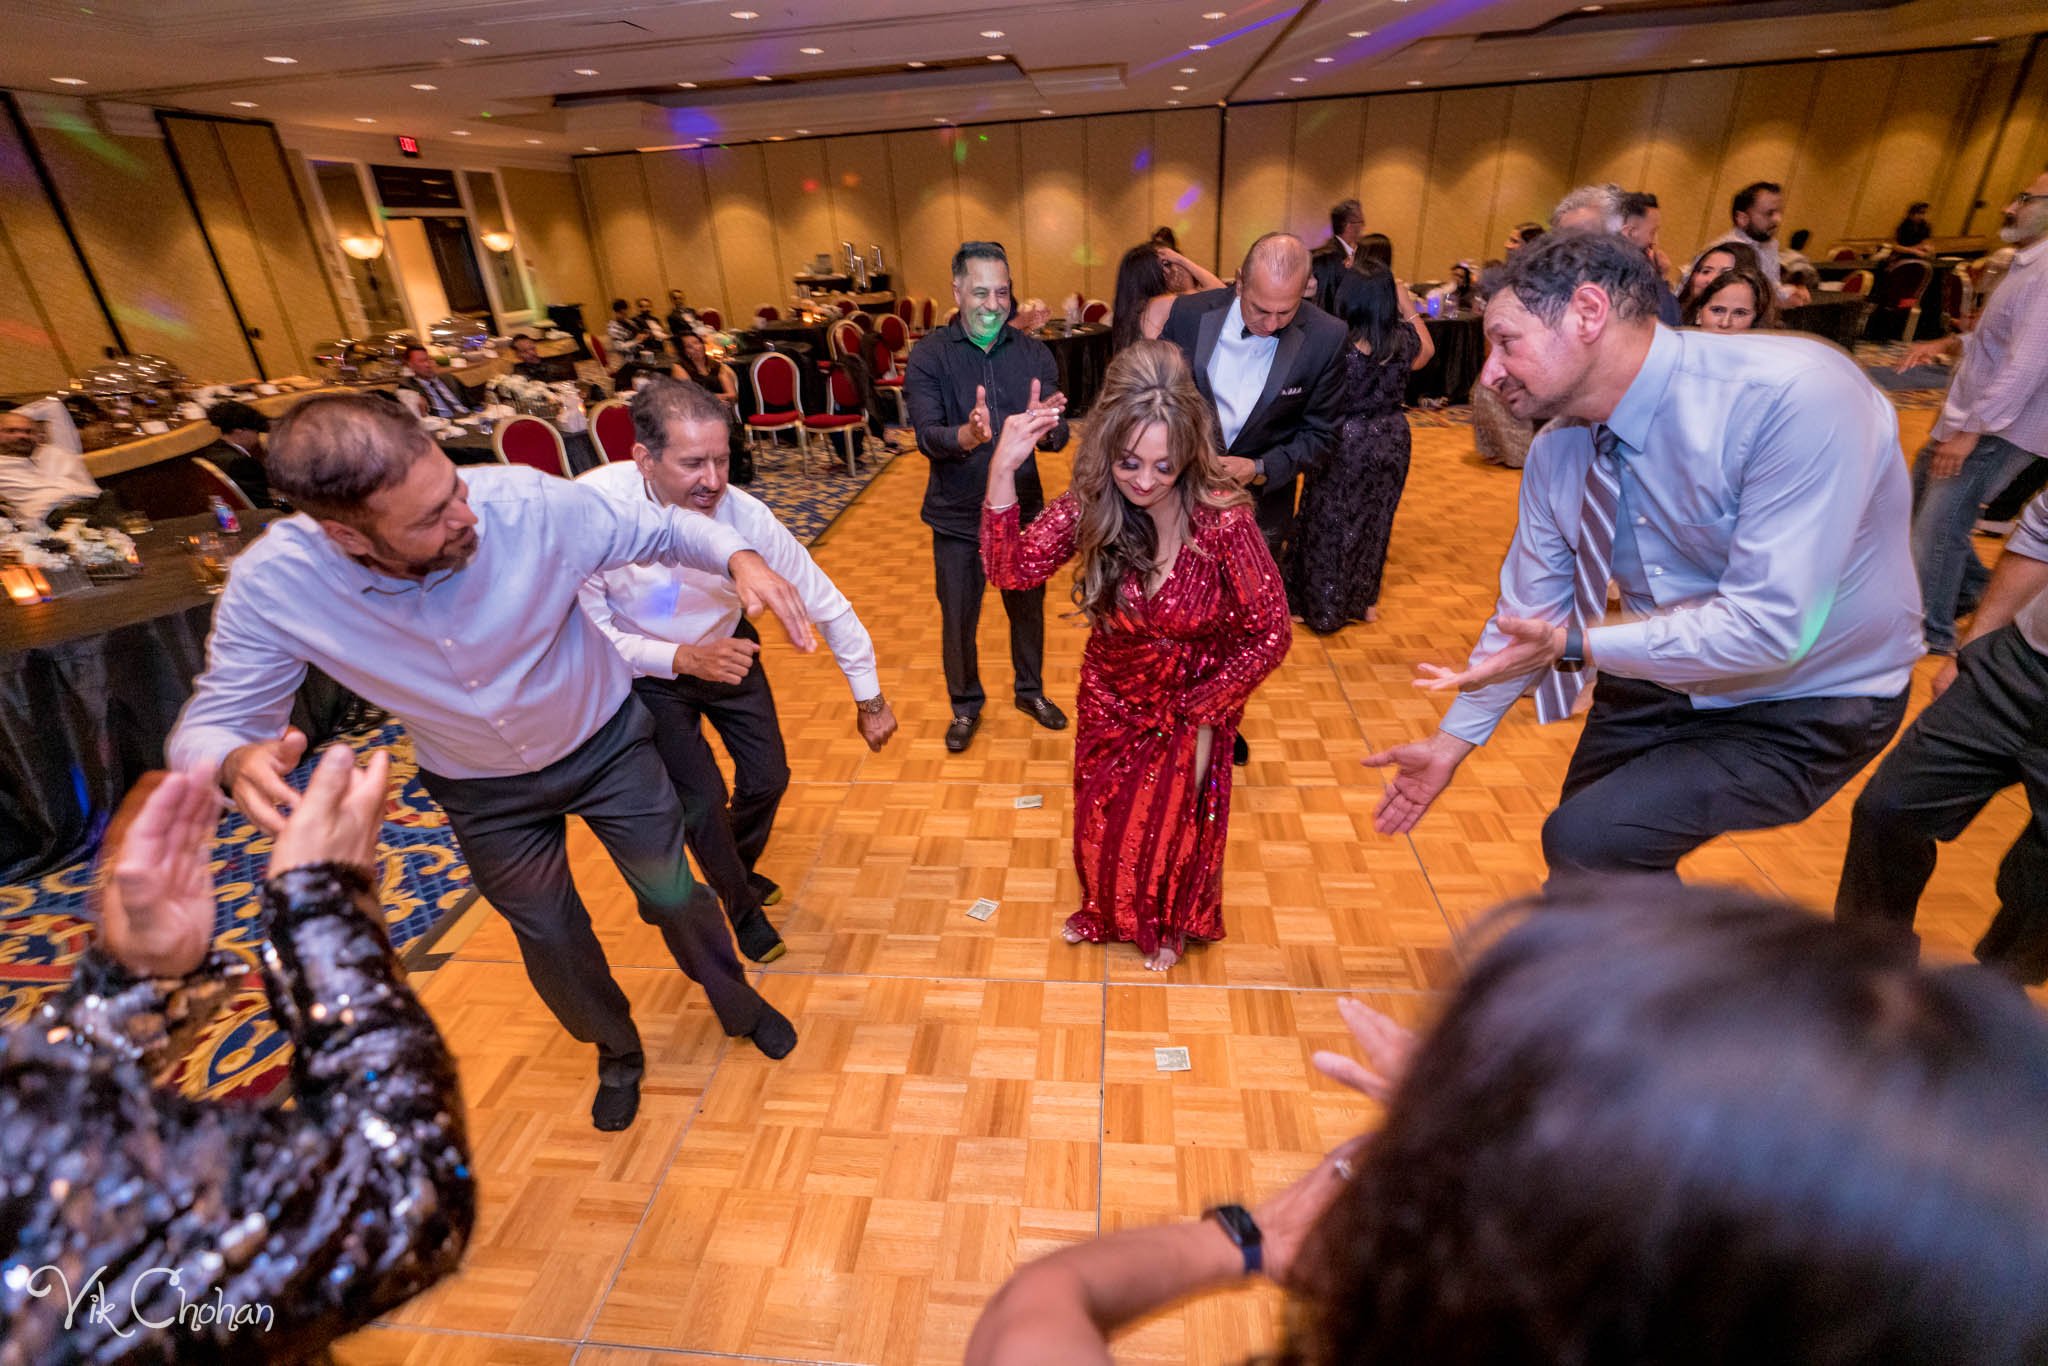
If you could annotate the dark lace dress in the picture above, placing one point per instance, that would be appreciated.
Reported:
(1347, 506)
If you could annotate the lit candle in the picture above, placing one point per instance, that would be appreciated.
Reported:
(19, 588)
(41, 584)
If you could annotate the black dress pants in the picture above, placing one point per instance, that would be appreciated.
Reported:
(961, 584)
(1654, 777)
(513, 832)
(1987, 732)
(726, 836)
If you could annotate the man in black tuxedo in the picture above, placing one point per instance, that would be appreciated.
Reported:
(527, 362)
(443, 395)
(239, 452)
(1329, 261)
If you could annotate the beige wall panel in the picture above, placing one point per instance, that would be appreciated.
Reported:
(275, 213)
(1916, 139)
(682, 228)
(1258, 173)
(628, 263)
(554, 238)
(863, 212)
(143, 245)
(224, 216)
(51, 327)
(2023, 150)
(927, 214)
(1463, 172)
(1184, 190)
(1836, 151)
(802, 211)
(1535, 161)
(740, 214)
(1119, 195)
(1327, 134)
(1983, 117)
(1763, 144)
(1055, 209)
(1395, 171)
(989, 181)
(1612, 145)
(29, 359)
(1685, 151)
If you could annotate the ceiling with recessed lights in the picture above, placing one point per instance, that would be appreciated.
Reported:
(563, 77)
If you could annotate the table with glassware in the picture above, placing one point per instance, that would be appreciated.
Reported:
(91, 683)
(1460, 341)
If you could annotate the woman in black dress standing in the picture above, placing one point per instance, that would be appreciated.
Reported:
(1347, 507)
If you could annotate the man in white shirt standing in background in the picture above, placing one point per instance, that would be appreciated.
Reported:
(696, 657)
(41, 471)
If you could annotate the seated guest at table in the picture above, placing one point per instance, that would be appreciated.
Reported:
(1521, 235)
(1030, 315)
(1458, 294)
(643, 317)
(528, 364)
(450, 598)
(628, 377)
(697, 367)
(1801, 278)
(440, 395)
(681, 317)
(1348, 502)
(626, 337)
(1641, 220)
(1737, 300)
(38, 475)
(239, 452)
(1146, 286)
(696, 657)
(1713, 262)
(1910, 237)
(311, 1220)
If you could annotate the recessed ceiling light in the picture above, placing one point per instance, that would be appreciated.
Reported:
(1535, 73)
(1415, 82)
(590, 149)
(69, 80)
(1699, 61)
(1187, 71)
(1359, 33)
(1045, 111)
(1824, 51)
(812, 51)
(586, 71)
(1983, 38)
(764, 79)
(243, 104)
(474, 42)
(283, 61)
(1324, 61)
(803, 132)
(1180, 87)
(745, 14)
(991, 33)
(462, 132)
(421, 85)
(775, 137)
(1198, 47)
(1591, 9)
(686, 85)
(362, 120)
(1173, 101)
(941, 120)
(1299, 80)
(533, 142)
(915, 66)
(1214, 14)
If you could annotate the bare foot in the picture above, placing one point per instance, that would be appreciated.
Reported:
(1372, 614)
(1162, 958)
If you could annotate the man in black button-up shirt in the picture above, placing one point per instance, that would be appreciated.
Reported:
(964, 380)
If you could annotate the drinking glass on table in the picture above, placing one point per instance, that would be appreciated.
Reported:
(210, 552)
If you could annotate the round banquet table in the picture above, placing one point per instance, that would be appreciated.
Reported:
(777, 334)
(90, 686)
(1460, 353)
(1082, 354)
(1836, 316)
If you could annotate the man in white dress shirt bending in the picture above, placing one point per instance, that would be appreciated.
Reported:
(696, 657)
(449, 598)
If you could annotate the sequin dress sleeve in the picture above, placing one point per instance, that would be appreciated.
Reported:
(1019, 557)
(1258, 629)
(139, 1225)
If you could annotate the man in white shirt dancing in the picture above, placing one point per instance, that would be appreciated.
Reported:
(449, 599)
(696, 657)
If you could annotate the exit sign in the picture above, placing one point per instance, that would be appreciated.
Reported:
(408, 146)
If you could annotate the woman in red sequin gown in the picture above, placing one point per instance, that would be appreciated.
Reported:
(1187, 615)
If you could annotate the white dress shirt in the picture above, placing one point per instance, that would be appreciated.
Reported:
(1237, 372)
(646, 610)
(2030, 540)
(1760, 544)
(492, 667)
(2001, 383)
(54, 474)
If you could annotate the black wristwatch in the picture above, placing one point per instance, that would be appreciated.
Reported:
(1574, 657)
(1242, 1229)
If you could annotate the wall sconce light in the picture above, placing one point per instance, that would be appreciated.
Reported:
(498, 241)
(363, 248)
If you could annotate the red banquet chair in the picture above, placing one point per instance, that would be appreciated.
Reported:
(611, 427)
(906, 311)
(843, 415)
(712, 319)
(1094, 311)
(597, 351)
(884, 372)
(1844, 254)
(1857, 282)
(862, 319)
(925, 309)
(529, 441)
(896, 332)
(768, 313)
(777, 408)
(844, 337)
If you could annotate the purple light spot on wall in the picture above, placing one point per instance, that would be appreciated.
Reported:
(1142, 161)
(1188, 199)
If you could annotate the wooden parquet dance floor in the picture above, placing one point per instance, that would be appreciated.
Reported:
(969, 1095)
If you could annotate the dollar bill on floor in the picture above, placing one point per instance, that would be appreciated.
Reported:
(982, 909)
(1025, 803)
(1172, 1060)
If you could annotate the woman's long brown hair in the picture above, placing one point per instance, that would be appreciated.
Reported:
(1148, 382)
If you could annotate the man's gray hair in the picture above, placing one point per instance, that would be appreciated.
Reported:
(1610, 201)
(1280, 254)
(662, 402)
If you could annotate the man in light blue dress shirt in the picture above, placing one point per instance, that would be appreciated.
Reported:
(449, 598)
(1758, 503)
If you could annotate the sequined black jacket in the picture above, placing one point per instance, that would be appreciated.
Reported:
(158, 1228)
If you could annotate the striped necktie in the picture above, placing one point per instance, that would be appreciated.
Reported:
(1559, 690)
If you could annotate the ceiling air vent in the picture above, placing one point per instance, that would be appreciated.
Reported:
(1078, 80)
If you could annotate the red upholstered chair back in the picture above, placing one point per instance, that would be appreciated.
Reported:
(712, 319)
(1903, 284)
(894, 331)
(611, 427)
(1954, 290)
(846, 307)
(906, 309)
(1844, 254)
(1094, 311)
(1856, 282)
(596, 349)
(845, 393)
(845, 336)
(532, 442)
(925, 311)
(768, 313)
(775, 383)
(862, 319)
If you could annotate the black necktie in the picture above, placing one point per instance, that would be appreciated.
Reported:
(1244, 334)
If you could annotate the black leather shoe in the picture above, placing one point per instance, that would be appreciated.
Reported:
(615, 1106)
(774, 1034)
(769, 892)
(1240, 752)
(1041, 710)
(961, 732)
(758, 939)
